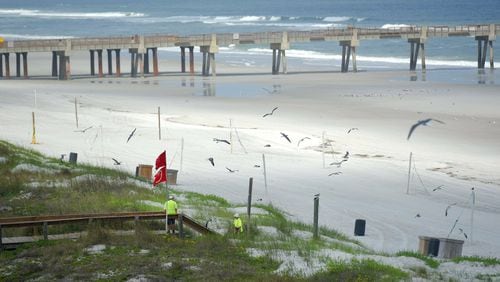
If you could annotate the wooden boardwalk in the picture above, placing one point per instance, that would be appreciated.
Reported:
(140, 45)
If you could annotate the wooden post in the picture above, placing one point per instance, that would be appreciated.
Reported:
(409, 173)
(316, 216)
(264, 167)
(76, 112)
(181, 226)
(45, 231)
(231, 134)
(159, 125)
(33, 137)
(249, 204)
(473, 204)
(182, 152)
(323, 145)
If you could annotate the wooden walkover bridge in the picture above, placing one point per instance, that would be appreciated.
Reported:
(47, 220)
(140, 46)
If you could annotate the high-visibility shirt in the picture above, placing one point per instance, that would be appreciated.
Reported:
(171, 207)
(238, 224)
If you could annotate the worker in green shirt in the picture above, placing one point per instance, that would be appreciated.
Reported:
(171, 209)
(237, 223)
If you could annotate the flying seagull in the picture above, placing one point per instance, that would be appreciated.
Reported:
(222, 140)
(116, 161)
(338, 164)
(438, 188)
(211, 160)
(231, 170)
(286, 137)
(462, 231)
(305, 138)
(271, 113)
(335, 173)
(131, 134)
(421, 122)
(83, 130)
(447, 208)
(351, 129)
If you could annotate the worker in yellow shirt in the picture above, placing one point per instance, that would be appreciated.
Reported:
(237, 223)
(171, 209)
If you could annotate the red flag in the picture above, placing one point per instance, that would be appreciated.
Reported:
(161, 169)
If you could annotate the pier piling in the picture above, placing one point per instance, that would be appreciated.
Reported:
(99, 63)
(7, 65)
(155, 61)
(191, 59)
(183, 59)
(117, 58)
(110, 61)
(92, 62)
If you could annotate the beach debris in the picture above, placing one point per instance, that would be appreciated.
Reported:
(256, 165)
(206, 223)
(222, 140)
(305, 138)
(351, 129)
(438, 188)
(211, 160)
(338, 164)
(267, 145)
(83, 130)
(421, 122)
(231, 170)
(259, 200)
(286, 137)
(417, 215)
(448, 208)
(335, 173)
(116, 161)
(271, 113)
(131, 134)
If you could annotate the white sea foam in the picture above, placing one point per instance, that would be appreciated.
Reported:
(51, 14)
(336, 19)
(30, 36)
(395, 26)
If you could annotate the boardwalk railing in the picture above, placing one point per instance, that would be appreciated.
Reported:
(45, 221)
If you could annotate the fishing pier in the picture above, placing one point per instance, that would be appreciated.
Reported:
(143, 49)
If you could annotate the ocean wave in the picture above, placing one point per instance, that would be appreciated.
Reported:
(28, 36)
(336, 19)
(49, 14)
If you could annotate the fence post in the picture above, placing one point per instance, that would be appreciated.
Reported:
(181, 226)
(249, 205)
(315, 221)
(45, 230)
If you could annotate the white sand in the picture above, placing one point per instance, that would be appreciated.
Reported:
(460, 154)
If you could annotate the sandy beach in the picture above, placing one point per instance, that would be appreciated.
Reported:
(455, 156)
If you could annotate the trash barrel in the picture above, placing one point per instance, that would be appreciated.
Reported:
(172, 176)
(450, 248)
(433, 247)
(73, 157)
(144, 171)
(359, 227)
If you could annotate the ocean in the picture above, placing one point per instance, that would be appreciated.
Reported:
(34, 19)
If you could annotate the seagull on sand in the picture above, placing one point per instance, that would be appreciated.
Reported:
(417, 215)
(305, 138)
(286, 137)
(438, 188)
(335, 173)
(346, 156)
(351, 129)
(256, 165)
(83, 130)
(231, 170)
(421, 122)
(131, 134)
(447, 208)
(211, 160)
(271, 113)
(116, 161)
(267, 145)
(222, 140)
